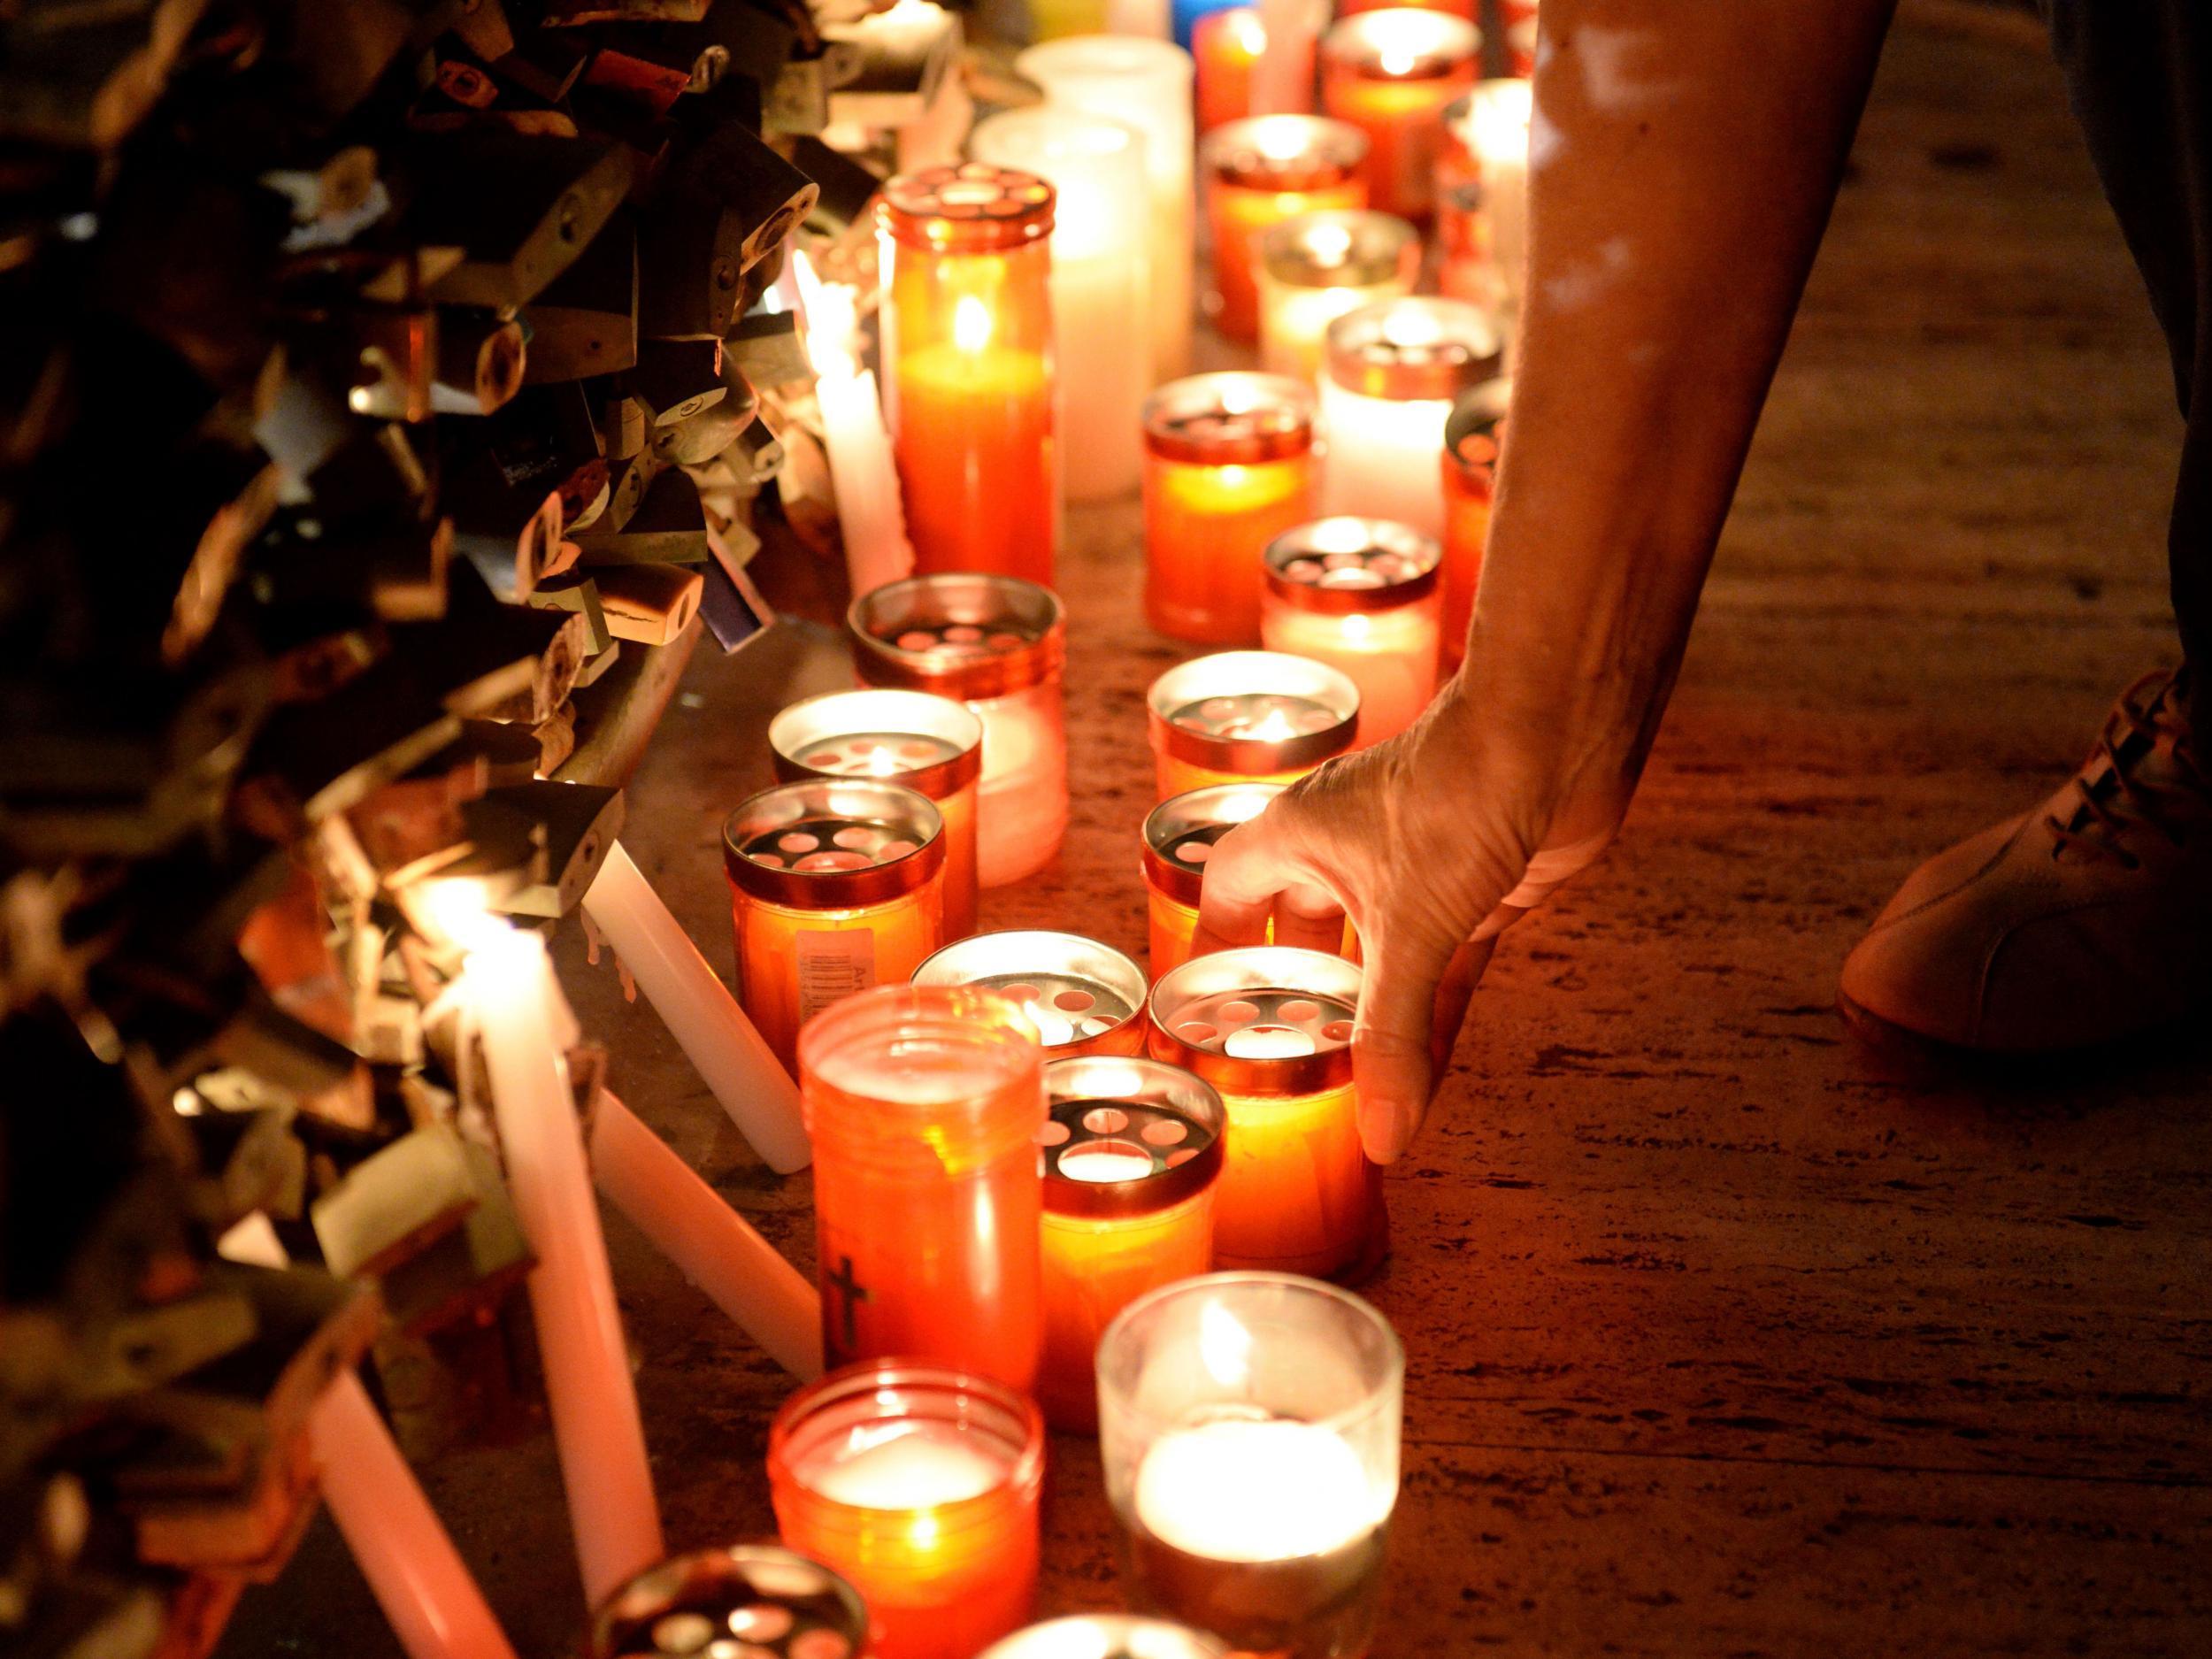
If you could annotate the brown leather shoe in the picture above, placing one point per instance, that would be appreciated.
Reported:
(2087, 919)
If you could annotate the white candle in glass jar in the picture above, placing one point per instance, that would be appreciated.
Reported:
(1146, 83)
(1391, 374)
(1360, 594)
(1313, 269)
(1496, 133)
(1236, 1489)
(1100, 281)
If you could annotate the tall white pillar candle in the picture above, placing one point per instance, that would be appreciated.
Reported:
(1390, 374)
(724, 1048)
(862, 472)
(1101, 285)
(1147, 84)
(526, 1028)
(709, 1243)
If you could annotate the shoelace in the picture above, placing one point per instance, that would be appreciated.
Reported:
(2099, 827)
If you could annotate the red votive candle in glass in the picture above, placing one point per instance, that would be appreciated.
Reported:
(931, 744)
(995, 643)
(1473, 439)
(834, 886)
(919, 1484)
(1179, 835)
(1316, 267)
(1229, 465)
(1270, 1027)
(1467, 265)
(757, 1600)
(923, 1103)
(1247, 716)
(1259, 171)
(1132, 1149)
(1083, 997)
(967, 349)
(1360, 595)
(1390, 74)
(1224, 45)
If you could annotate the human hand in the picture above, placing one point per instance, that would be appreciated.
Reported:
(1433, 843)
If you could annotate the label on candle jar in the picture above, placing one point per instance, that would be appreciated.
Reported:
(833, 967)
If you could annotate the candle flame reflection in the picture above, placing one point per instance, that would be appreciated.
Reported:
(1225, 1347)
(970, 324)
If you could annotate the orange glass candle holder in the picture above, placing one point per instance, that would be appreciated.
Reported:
(1259, 171)
(967, 349)
(1224, 45)
(995, 643)
(1318, 266)
(760, 1600)
(834, 886)
(1179, 835)
(1270, 1027)
(922, 1102)
(1247, 716)
(1133, 1151)
(931, 744)
(1081, 996)
(1473, 440)
(1390, 73)
(1467, 264)
(1361, 596)
(1107, 1636)
(1229, 465)
(919, 1484)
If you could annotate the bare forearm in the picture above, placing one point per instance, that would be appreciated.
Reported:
(1685, 159)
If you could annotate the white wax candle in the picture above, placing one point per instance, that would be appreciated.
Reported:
(1237, 1489)
(1390, 655)
(1385, 457)
(853, 435)
(701, 1014)
(526, 1028)
(914, 1465)
(1100, 287)
(1146, 83)
(709, 1243)
(1022, 799)
(1498, 114)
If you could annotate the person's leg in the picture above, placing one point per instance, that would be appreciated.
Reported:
(2090, 919)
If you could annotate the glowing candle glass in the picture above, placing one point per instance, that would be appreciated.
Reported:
(1249, 1426)
(1147, 84)
(1521, 17)
(1107, 1636)
(1082, 997)
(1226, 47)
(924, 1103)
(1259, 171)
(1466, 257)
(1100, 282)
(1390, 74)
(1493, 129)
(834, 886)
(1316, 267)
(919, 1484)
(1247, 716)
(1361, 596)
(1270, 1027)
(755, 1600)
(931, 744)
(1473, 438)
(967, 349)
(1229, 465)
(996, 645)
(1179, 835)
(1132, 1149)
(1394, 371)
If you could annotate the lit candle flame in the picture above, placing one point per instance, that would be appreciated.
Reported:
(1329, 244)
(970, 324)
(1398, 60)
(1274, 728)
(830, 314)
(1249, 37)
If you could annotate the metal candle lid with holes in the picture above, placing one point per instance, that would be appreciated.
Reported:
(1106, 1636)
(1254, 711)
(1233, 417)
(1341, 564)
(1074, 990)
(1415, 347)
(961, 635)
(1127, 1137)
(1400, 43)
(832, 844)
(1266, 1020)
(969, 207)
(760, 1600)
(1180, 834)
(1340, 248)
(1472, 431)
(1283, 152)
(929, 743)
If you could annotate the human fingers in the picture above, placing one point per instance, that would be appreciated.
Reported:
(1393, 1062)
(1250, 866)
